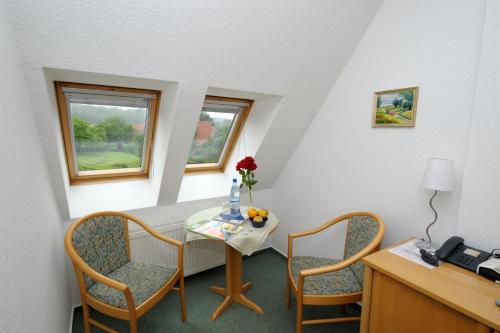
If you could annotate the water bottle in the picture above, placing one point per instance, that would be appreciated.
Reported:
(234, 199)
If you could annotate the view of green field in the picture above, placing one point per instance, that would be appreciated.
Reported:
(107, 160)
(393, 115)
(108, 137)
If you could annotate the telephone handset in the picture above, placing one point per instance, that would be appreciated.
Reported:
(456, 252)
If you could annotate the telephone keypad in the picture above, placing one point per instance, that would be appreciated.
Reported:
(464, 259)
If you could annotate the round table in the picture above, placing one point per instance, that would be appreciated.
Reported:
(247, 241)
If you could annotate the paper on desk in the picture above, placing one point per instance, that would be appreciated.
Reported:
(409, 251)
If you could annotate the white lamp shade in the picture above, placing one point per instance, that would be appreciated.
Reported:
(439, 175)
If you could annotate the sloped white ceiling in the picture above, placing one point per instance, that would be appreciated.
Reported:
(294, 49)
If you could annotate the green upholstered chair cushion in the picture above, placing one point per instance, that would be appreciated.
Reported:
(361, 230)
(143, 280)
(340, 282)
(100, 242)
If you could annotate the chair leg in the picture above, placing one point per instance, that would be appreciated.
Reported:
(86, 316)
(299, 313)
(288, 292)
(133, 325)
(182, 297)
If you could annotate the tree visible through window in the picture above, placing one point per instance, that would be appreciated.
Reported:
(211, 135)
(108, 137)
(107, 133)
(218, 127)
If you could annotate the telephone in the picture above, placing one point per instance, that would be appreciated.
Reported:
(456, 252)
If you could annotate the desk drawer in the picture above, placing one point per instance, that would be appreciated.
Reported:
(396, 308)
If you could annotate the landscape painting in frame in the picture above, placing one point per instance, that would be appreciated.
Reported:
(395, 108)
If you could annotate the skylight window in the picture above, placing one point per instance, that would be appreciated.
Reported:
(221, 120)
(107, 131)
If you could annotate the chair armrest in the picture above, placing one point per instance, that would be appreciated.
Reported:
(373, 246)
(322, 227)
(153, 232)
(180, 245)
(161, 237)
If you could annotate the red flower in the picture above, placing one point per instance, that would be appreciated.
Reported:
(246, 168)
(248, 163)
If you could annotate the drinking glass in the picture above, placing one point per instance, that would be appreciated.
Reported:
(226, 210)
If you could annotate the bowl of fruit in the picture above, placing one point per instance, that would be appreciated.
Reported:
(258, 216)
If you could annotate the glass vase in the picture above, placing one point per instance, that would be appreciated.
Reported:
(251, 198)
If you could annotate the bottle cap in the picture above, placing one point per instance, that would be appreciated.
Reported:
(234, 180)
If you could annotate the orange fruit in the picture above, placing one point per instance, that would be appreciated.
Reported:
(252, 212)
(263, 212)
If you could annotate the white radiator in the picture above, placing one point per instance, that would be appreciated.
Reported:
(198, 256)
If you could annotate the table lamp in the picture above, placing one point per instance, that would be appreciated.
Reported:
(439, 176)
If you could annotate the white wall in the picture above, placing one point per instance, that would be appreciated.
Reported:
(342, 164)
(479, 219)
(33, 286)
(294, 49)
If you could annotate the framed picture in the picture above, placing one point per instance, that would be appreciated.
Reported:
(395, 108)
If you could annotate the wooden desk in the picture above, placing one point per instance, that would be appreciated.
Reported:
(402, 296)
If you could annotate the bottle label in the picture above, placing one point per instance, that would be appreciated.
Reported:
(235, 208)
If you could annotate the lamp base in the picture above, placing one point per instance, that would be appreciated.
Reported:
(426, 245)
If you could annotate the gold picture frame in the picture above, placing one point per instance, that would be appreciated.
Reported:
(395, 107)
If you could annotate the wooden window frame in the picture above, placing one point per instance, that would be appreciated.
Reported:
(113, 174)
(234, 134)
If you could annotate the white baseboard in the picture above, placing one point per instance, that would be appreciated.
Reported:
(71, 319)
(204, 268)
(275, 249)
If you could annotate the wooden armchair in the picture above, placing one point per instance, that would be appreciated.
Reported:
(325, 281)
(98, 246)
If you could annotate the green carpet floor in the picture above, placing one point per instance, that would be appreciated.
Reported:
(267, 272)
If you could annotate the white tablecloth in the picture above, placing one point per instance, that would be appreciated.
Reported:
(247, 241)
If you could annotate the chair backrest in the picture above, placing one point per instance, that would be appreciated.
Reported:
(361, 230)
(101, 242)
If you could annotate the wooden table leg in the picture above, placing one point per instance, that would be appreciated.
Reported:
(233, 293)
